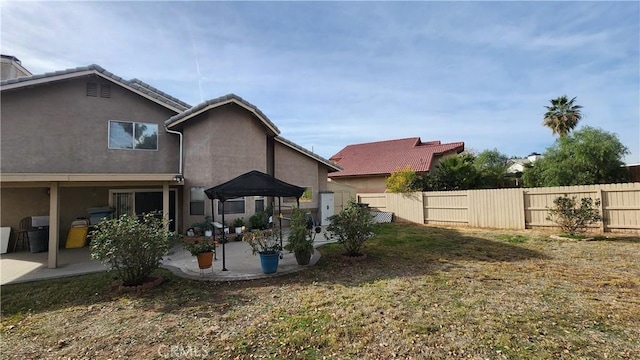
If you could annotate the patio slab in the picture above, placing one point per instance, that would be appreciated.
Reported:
(240, 263)
(25, 266)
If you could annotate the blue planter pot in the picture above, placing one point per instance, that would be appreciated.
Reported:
(269, 262)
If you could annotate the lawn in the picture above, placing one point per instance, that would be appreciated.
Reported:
(422, 293)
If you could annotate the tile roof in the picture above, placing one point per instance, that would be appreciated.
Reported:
(222, 100)
(135, 84)
(148, 89)
(332, 166)
(385, 157)
(185, 111)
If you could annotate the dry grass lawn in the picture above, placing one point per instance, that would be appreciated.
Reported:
(422, 293)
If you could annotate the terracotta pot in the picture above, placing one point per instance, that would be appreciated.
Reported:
(205, 260)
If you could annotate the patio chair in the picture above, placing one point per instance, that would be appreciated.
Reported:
(23, 233)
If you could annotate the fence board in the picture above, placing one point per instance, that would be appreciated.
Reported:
(510, 208)
(445, 208)
(500, 208)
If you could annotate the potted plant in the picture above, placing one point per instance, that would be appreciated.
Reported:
(204, 228)
(201, 247)
(300, 240)
(238, 224)
(265, 243)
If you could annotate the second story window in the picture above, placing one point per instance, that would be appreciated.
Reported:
(133, 135)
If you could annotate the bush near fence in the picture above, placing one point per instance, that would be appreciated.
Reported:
(523, 208)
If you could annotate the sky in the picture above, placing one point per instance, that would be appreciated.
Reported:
(330, 74)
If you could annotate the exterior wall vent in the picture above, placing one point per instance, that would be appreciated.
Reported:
(105, 90)
(92, 89)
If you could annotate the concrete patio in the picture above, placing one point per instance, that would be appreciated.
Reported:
(240, 263)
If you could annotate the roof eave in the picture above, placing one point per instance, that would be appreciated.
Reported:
(266, 122)
(332, 167)
(83, 73)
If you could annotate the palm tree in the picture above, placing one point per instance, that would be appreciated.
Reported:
(562, 116)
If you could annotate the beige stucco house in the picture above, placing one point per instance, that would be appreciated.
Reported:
(84, 138)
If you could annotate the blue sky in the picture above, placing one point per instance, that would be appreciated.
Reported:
(329, 74)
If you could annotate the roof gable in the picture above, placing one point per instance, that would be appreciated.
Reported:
(136, 86)
(221, 101)
(385, 157)
(332, 166)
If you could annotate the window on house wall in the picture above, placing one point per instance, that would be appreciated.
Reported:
(133, 135)
(196, 200)
(307, 195)
(232, 206)
(259, 203)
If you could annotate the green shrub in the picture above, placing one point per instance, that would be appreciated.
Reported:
(132, 246)
(300, 240)
(403, 180)
(238, 222)
(258, 221)
(351, 227)
(571, 218)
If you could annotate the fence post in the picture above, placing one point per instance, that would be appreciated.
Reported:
(603, 227)
(524, 208)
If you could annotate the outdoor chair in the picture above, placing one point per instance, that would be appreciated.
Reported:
(23, 233)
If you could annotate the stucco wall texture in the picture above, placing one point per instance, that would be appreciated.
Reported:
(59, 122)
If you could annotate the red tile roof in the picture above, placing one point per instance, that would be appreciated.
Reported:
(385, 157)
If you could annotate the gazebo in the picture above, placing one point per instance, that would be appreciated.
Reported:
(253, 183)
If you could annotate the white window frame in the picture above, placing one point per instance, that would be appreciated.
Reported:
(133, 200)
(218, 207)
(191, 200)
(133, 135)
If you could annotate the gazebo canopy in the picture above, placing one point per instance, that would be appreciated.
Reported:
(253, 183)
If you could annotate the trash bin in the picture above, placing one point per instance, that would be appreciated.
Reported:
(39, 239)
(39, 234)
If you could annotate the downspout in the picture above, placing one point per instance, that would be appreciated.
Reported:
(180, 173)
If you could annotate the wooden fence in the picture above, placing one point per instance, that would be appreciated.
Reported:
(509, 208)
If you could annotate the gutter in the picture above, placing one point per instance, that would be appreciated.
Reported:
(180, 176)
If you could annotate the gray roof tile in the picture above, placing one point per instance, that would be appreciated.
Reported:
(135, 84)
(217, 101)
(315, 156)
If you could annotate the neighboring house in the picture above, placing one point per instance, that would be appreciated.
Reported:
(84, 137)
(518, 165)
(366, 166)
(634, 172)
(11, 68)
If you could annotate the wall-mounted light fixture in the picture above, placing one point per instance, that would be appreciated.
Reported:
(178, 178)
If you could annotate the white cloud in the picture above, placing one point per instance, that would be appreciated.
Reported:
(333, 74)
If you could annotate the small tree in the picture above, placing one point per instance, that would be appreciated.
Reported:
(133, 247)
(299, 240)
(351, 227)
(491, 167)
(584, 157)
(403, 180)
(571, 218)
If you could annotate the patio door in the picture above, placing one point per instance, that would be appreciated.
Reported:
(142, 201)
